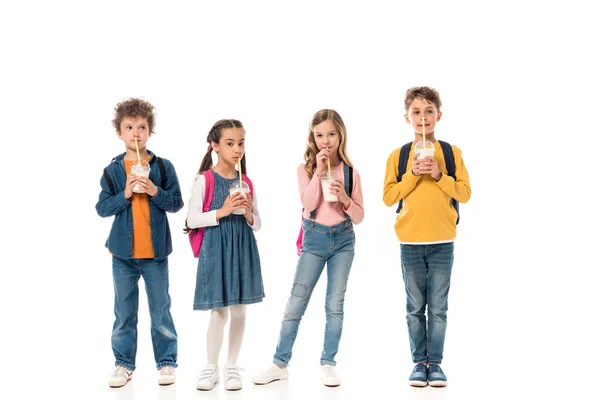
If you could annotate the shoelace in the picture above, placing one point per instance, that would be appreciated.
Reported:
(121, 371)
(329, 371)
(435, 368)
(206, 373)
(166, 370)
(233, 372)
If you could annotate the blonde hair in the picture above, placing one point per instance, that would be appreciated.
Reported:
(310, 155)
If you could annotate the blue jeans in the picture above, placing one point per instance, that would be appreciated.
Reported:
(426, 271)
(321, 244)
(126, 274)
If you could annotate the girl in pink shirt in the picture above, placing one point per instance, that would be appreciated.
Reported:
(331, 194)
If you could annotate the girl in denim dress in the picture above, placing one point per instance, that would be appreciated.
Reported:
(229, 272)
(328, 238)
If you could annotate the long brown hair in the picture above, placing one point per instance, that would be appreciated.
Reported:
(214, 136)
(310, 155)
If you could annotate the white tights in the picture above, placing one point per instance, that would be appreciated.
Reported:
(214, 340)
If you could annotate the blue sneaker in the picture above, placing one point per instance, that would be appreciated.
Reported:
(419, 376)
(436, 376)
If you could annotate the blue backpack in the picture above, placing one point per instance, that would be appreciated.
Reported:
(450, 167)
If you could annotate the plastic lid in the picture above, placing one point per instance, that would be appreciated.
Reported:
(419, 145)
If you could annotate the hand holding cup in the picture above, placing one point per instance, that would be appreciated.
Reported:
(322, 157)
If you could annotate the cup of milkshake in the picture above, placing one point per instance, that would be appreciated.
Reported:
(326, 180)
(426, 150)
(244, 189)
(141, 169)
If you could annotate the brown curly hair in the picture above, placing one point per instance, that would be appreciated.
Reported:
(310, 155)
(425, 92)
(134, 107)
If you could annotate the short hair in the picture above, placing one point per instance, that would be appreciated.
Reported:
(134, 107)
(429, 94)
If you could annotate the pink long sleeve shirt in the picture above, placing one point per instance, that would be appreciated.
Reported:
(329, 214)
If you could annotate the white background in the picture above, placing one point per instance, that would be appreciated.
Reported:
(519, 85)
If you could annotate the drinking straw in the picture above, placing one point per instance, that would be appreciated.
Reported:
(240, 170)
(137, 149)
(423, 125)
(328, 167)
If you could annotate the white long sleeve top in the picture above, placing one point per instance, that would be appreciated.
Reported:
(198, 219)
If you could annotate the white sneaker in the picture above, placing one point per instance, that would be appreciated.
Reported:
(329, 376)
(232, 376)
(119, 377)
(273, 373)
(208, 378)
(166, 375)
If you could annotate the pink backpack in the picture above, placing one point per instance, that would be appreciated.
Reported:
(299, 240)
(196, 235)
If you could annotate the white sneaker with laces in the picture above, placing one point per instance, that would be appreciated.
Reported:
(329, 376)
(208, 378)
(273, 373)
(166, 375)
(232, 376)
(119, 377)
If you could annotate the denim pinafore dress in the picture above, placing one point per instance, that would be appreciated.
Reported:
(229, 270)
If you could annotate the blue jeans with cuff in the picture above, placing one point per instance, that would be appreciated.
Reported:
(126, 274)
(426, 271)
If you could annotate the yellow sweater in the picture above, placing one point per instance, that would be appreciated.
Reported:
(427, 215)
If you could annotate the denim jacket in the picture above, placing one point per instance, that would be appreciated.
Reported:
(120, 240)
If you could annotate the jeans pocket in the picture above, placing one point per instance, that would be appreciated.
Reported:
(307, 229)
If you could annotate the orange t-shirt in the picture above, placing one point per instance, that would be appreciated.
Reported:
(140, 210)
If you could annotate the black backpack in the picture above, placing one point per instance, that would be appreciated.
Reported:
(450, 167)
(348, 184)
(161, 168)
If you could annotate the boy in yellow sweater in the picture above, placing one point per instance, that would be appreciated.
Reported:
(428, 190)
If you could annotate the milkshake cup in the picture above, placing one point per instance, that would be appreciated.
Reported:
(326, 180)
(142, 169)
(235, 188)
(424, 151)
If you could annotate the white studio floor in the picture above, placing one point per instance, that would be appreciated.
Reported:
(490, 351)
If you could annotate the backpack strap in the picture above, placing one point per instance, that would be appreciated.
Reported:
(451, 168)
(163, 172)
(109, 181)
(402, 164)
(348, 179)
(209, 188)
(249, 182)
(313, 215)
(348, 182)
(448, 158)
